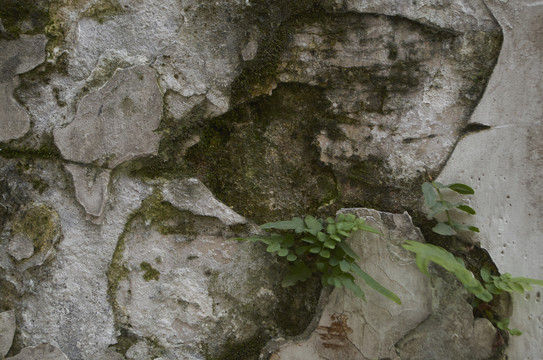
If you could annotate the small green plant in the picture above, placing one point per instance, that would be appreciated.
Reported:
(434, 200)
(440, 209)
(313, 245)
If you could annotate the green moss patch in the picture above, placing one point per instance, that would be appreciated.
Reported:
(150, 272)
(41, 224)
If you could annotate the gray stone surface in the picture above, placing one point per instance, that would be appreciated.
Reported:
(91, 187)
(504, 165)
(364, 95)
(17, 57)
(21, 247)
(193, 196)
(115, 123)
(187, 286)
(40, 352)
(7, 331)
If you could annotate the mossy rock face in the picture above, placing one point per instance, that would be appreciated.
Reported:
(41, 225)
(171, 266)
(333, 112)
(261, 158)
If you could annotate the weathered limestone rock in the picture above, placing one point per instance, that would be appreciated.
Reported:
(40, 352)
(504, 164)
(432, 312)
(21, 247)
(17, 57)
(7, 331)
(91, 187)
(115, 123)
(451, 325)
(178, 281)
(348, 107)
(193, 196)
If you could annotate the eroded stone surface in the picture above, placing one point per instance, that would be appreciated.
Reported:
(91, 187)
(40, 352)
(7, 331)
(505, 165)
(193, 196)
(17, 57)
(181, 282)
(115, 123)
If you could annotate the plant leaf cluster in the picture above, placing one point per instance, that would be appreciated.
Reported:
(426, 253)
(436, 203)
(313, 245)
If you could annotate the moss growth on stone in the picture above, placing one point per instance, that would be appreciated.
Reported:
(23, 17)
(103, 10)
(40, 224)
(150, 273)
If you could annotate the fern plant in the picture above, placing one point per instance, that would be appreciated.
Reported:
(313, 245)
(440, 210)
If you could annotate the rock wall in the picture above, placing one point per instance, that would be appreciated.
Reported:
(138, 137)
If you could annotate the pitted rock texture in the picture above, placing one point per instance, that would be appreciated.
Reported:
(115, 123)
(17, 57)
(433, 310)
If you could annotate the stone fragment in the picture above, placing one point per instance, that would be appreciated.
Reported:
(193, 196)
(7, 331)
(40, 352)
(17, 57)
(21, 247)
(21, 55)
(115, 123)
(91, 187)
(350, 329)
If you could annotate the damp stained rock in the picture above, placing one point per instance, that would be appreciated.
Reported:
(350, 108)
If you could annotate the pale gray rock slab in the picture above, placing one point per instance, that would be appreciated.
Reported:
(21, 247)
(193, 196)
(40, 352)
(504, 165)
(14, 120)
(91, 187)
(451, 325)
(115, 123)
(7, 331)
(352, 329)
(17, 57)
